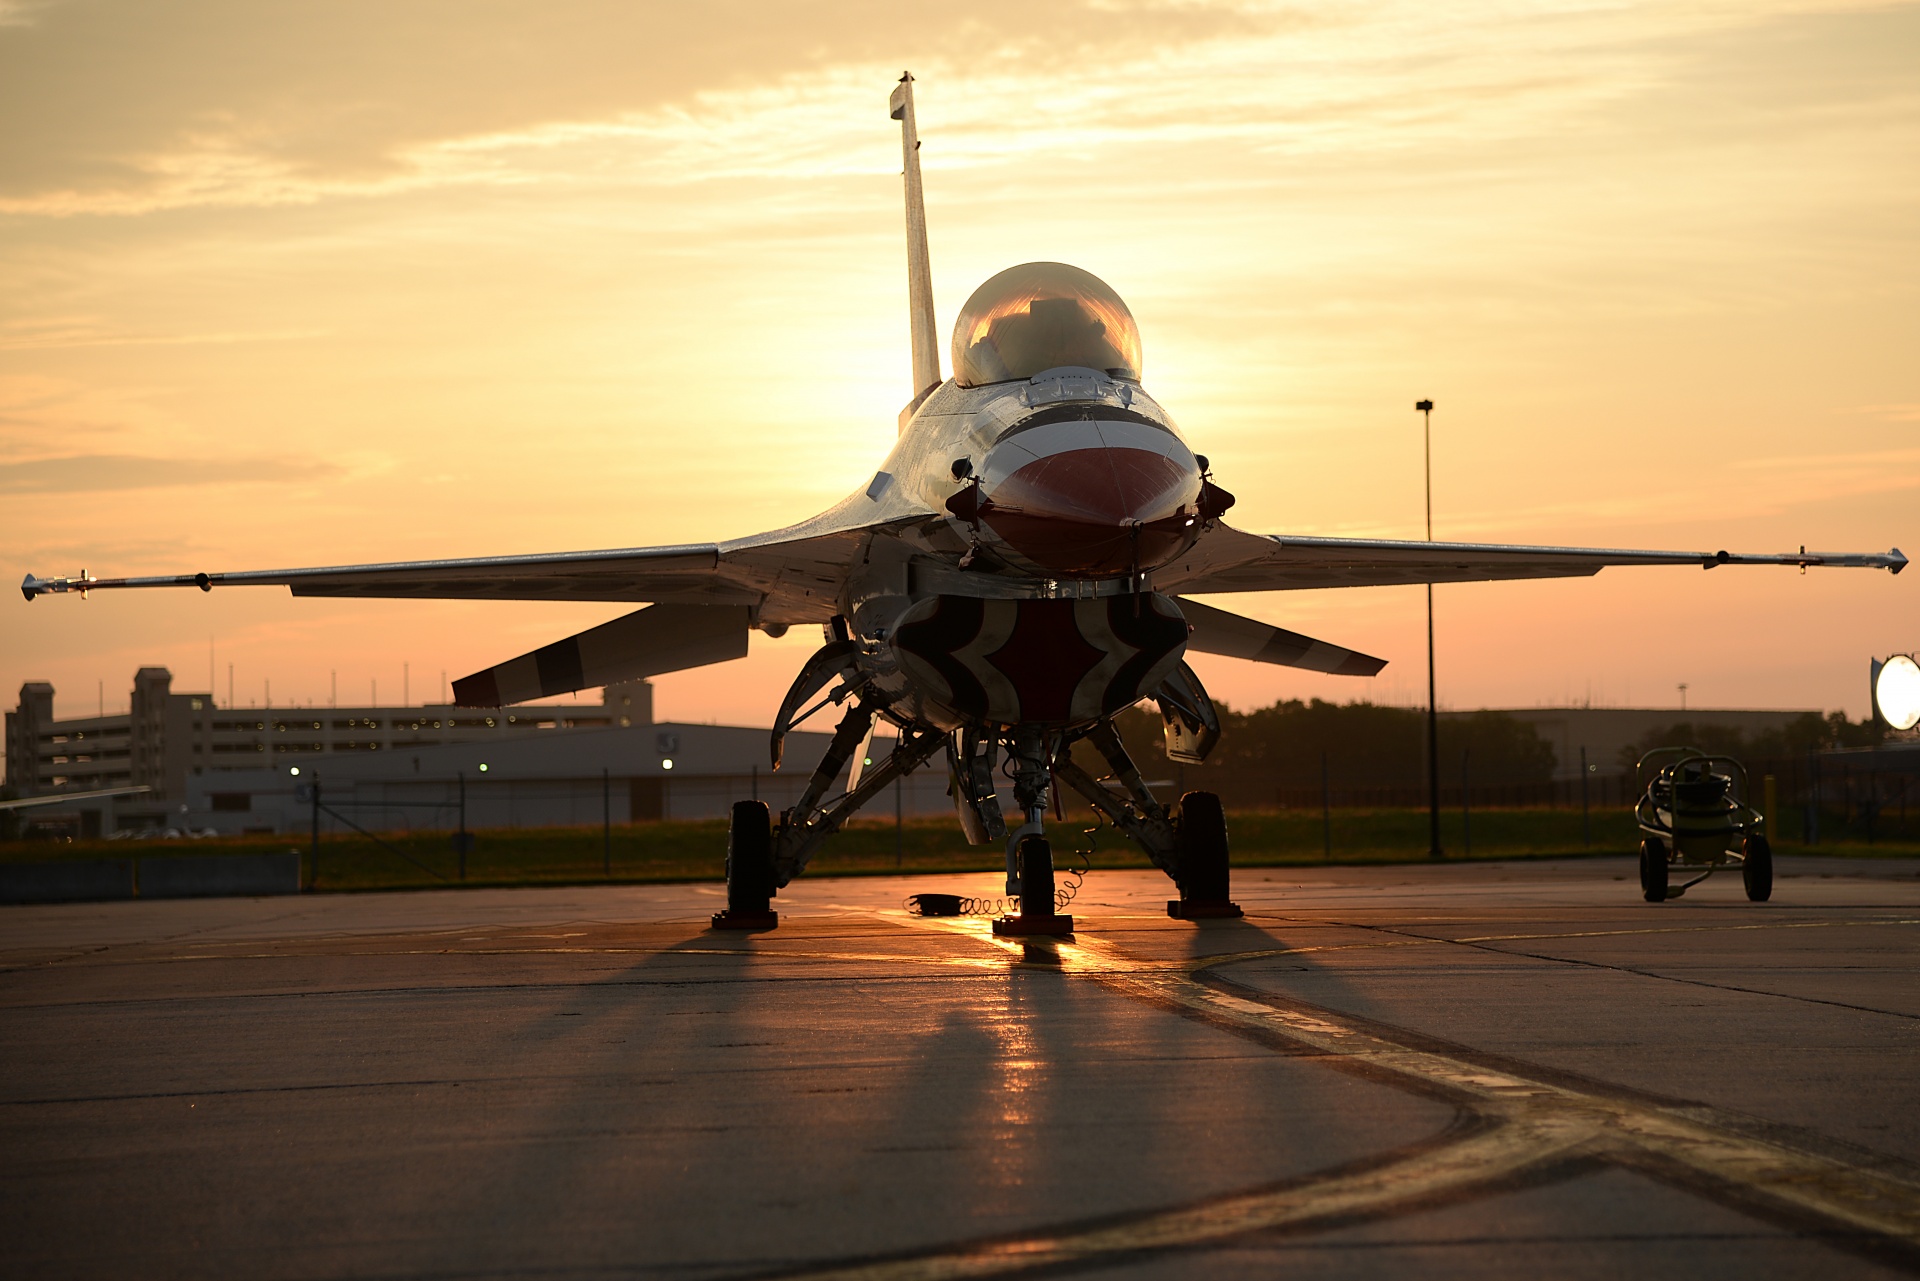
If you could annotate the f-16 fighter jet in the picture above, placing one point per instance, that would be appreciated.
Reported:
(1016, 573)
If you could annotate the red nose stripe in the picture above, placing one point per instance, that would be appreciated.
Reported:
(1111, 487)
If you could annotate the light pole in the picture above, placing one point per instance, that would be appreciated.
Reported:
(1425, 408)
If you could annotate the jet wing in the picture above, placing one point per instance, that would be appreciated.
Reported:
(1230, 560)
(786, 576)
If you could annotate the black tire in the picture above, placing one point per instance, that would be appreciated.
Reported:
(1757, 871)
(750, 858)
(1202, 829)
(1653, 870)
(1035, 855)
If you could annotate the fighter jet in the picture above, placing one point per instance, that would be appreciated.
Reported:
(1017, 572)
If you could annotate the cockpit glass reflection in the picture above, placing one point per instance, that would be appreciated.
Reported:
(1039, 316)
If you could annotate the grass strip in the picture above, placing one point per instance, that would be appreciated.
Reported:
(695, 850)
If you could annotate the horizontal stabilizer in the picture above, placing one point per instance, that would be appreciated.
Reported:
(647, 642)
(1215, 631)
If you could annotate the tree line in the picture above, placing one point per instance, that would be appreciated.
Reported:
(1293, 744)
(1807, 732)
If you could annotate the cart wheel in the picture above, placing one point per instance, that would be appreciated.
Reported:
(1653, 870)
(1757, 870)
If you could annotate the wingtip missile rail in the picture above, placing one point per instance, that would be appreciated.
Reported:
(33, 585)
(1893, 561)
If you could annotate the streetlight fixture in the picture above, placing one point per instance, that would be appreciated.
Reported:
(1425, 409)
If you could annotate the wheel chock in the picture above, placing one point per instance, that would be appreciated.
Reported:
(735, 919)
(1203, 909)
(1028, 926)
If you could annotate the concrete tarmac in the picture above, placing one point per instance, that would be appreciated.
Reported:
(1430, 1071)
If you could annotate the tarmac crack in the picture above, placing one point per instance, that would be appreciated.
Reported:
(1485, 944)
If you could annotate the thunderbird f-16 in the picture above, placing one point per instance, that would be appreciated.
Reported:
(1018, 571)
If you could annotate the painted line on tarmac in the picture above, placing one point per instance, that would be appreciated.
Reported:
(1488, 1157)
(1534, 1127)
(1530, 1127)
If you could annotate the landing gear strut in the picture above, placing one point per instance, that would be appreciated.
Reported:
(1191, 848)
(1031, 873)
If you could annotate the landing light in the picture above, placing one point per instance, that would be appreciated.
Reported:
(295, 771)
(1896, 691)
(483, 767)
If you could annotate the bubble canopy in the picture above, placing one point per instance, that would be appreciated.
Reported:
(1042, 315)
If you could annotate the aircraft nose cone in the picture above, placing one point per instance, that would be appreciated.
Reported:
(1111, 487)
(1090, 497)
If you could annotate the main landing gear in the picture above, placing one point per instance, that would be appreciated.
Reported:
(1204, 874)
(1189, 844)
(750, 886)
(763, 855)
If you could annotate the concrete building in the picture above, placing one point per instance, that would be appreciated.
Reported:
(386, 768)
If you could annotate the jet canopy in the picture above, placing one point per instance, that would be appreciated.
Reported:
(1042, 315)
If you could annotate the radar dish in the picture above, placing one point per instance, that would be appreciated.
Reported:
(1040, 316)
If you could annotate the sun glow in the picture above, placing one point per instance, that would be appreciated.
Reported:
(297, 291)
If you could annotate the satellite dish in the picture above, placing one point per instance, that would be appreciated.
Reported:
(1896, 692)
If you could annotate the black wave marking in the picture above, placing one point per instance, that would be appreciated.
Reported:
(1134, 620)
(953, 625)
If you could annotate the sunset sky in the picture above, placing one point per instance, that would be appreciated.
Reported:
(290, 284)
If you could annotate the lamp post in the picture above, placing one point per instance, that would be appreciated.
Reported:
(1425, 408)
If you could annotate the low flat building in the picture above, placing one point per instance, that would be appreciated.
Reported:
(397, 768)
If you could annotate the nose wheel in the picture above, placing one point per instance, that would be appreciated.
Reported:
(1037, 914)
(1032, 752)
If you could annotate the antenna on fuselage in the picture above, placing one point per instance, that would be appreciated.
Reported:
(926, 350)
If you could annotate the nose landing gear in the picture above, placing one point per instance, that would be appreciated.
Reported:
(1034, 859)
(1032, 855)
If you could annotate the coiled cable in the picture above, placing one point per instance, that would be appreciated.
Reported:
(932, 904)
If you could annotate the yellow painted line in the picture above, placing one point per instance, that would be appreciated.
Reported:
(1534, 1123)
(1482, 1158)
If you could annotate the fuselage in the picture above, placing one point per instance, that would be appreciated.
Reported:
(1024, 595)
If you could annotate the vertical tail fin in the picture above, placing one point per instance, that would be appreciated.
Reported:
(926, 350)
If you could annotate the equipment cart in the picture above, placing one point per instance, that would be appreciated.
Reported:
(1694, 816)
